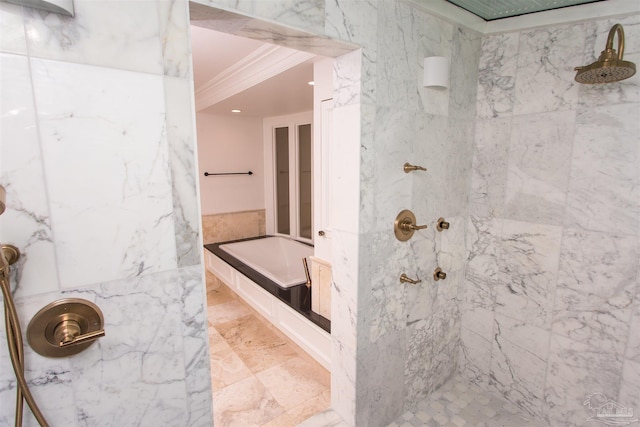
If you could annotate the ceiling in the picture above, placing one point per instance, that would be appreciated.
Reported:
(490, 10)
(220, 56)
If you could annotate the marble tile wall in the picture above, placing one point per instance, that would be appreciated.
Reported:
(233, 225)
(383, 331)
(550, 302)
(97, 156)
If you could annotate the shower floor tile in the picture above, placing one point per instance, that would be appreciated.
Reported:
(459, 404)
(259, 377)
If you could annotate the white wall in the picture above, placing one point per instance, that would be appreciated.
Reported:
(230, 144)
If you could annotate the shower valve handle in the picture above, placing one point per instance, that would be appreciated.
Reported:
(67, 333)
(408, 226)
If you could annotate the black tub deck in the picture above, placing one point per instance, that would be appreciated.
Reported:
(297, 297)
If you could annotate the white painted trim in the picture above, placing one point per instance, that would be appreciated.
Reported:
(263, 63)
(291, 122)
(310, 337)
(567, 15)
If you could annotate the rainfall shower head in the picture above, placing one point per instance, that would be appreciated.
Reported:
(610, 67)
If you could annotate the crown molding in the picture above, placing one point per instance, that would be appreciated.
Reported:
(263, 63)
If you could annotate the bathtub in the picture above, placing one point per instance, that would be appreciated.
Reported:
(277, 258)
(268, 274)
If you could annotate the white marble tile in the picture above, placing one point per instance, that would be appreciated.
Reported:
(307, 14)
(182, 163)
(596, 286)
(465, 57)
(575, 371)
(103, 142)
(347, 71)
(633, 344)
(496, 75)
(546, 58)
(195, 341)
(630, 386)
(12, 35)
(351, 20)
(380, 366)
(605, 174)
(528, 271)
(448, 158)
(344, 304)
(116, 383)
(383, 157)
(436, 148)
(475, 356)
(539, 165)
(519, 363)
(345, 179)
(128, 35)
(382, 296)
(26, 223)
(489, 170)
(174, 28)
(433, 347)
(483, 264)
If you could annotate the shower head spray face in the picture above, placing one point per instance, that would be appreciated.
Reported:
(609, 67)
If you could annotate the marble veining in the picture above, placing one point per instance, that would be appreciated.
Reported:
(544, 58)
(23, 178)
(596, 288)
(98, 161)
(125, 139)
(127, 37)
(496, 75)
(539, 164)
(550, 304)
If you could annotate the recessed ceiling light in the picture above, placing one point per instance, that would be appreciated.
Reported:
(311, 83)
(236, 111)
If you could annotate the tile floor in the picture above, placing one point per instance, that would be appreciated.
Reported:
(455, 404)
(458, 404)
(259, 377)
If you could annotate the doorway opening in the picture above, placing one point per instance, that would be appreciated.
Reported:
(259, 375)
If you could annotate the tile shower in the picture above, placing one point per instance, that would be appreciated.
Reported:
(539, 179)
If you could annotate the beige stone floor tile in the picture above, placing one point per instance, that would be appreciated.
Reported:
(216, 341)
(227, 311)
(246, 403)
(218, 292)
(226, 367)
(315, 405)
(283, 420)
(295, 381)
(256, 344)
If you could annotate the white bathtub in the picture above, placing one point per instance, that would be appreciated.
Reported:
(277, 258)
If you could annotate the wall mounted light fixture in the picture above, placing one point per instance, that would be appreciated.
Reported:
(436, 72)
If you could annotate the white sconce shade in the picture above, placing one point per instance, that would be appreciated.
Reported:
(436, 72)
